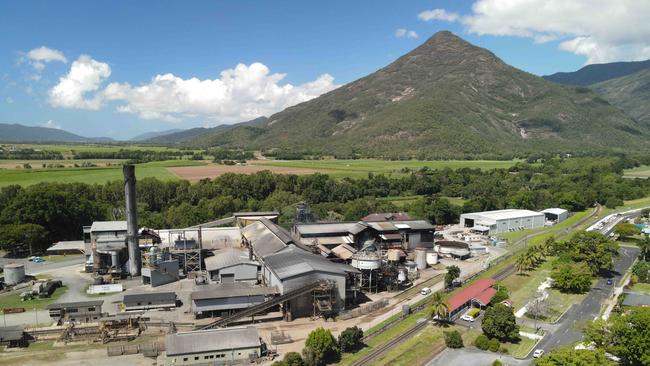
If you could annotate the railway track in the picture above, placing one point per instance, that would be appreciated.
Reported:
(379, 351)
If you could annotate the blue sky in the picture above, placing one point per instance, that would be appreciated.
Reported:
(318, 45)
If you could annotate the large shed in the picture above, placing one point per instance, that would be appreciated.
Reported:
(213, 346)
(232, 265)
(503, 221)
(149, 300)
(226, 298)
(81, 311)
(556, 215)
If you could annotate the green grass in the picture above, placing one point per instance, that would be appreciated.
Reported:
(13, 300)
(555, 229)
(25, 177)
(60, 257)
(516, 350)
(642, 288)
(360, 168)
(66, 149)
(416, 350)
(642, 171)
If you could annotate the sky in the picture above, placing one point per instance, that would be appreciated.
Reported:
(121, 68)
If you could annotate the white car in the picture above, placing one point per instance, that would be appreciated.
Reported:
(538, 353)
(467, 318)
(425, 291)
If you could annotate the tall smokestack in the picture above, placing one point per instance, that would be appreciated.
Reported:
(131, 220)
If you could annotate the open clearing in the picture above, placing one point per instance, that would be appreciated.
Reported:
(638, 172)
(196, 173)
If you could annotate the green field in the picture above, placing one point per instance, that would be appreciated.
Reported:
(13, 300)
(361, 168)
(68, 148)
(638, 172)
(26, 177)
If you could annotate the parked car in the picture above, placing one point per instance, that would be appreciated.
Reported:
(610, 282)
(38, 260)
(538, 353)
(467, 318)
(425, 291)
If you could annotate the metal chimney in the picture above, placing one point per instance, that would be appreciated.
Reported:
(131, 220)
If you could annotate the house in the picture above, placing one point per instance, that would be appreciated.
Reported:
(214, 346)
(479, 294)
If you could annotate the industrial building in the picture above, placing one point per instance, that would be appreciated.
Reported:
(232, 265)
(331, 234)
(214, 346)
(224, 299)
(387, 216)
(556, 215)
(502, 221)
(149, 301)
(82, 311)
(13, 336)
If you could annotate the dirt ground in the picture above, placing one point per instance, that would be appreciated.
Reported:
(196, 173)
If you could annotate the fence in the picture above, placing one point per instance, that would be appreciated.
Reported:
(150, 350)
(363, 309)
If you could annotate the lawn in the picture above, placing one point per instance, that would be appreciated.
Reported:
(26, 177)
(13, 300)
(643, 288)
(416, 350)
(516, 350)
(360, 168)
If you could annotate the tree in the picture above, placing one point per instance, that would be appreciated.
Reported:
(524, 262)
(626, 230)
(590, 247)
(573, 357)
(453, 272)
(644, 245)
(453, 339)
(499, 322)
(439, 308)
(293, 359)
(572, 277)
(23, 238)
(350, 339)
(482, 342)
(502, 294)
(320, 347)
(641, 270)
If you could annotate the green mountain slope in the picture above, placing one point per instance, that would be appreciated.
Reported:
(631, 93)
(596, 73)
(446, 98)
(203, 135)
(16, 133)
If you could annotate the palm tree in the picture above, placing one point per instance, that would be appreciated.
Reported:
(523, 262)
(439, 308)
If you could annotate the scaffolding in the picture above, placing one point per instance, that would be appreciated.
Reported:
(186, 251)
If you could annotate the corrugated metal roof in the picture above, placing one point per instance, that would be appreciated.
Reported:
(505, 214)
(327, 240)
(387, 216)
(98, 226)
(330, 228)
(254, 213)
(210, 340)
(293, 261)
(149, 296)
(555, 211)
(227, 257)
(265, 237)
(14, 333)
(470, 293)
(225, 290)
(344, 251)
(78, 304)
(67, 245)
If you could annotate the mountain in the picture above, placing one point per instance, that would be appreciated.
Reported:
(631, 93)
(201, 134)
(445, 99)
(15, 133)
(596, 73)
(150, 135)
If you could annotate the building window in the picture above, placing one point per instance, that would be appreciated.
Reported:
(196, 358)
(184, 359)
(91, 309)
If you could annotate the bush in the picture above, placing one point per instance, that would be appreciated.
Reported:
(320, 347)
(453, 339)
(497, 363)
(350, 339)
(493, 345)
(293, 359)
(482, 342)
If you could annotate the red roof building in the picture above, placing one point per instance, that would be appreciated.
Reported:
(480, 292)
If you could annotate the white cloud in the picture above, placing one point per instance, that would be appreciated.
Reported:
(438, 14)
(245, 92)
(86, 75)
(401, 33)
(51, 124)
(45, 54)
(601, 30)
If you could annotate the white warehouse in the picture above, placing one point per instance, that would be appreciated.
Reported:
(502, 221)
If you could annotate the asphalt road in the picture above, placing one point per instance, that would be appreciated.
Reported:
(32, 268)
(567, 332)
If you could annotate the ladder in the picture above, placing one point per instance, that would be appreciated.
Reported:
(255, 309)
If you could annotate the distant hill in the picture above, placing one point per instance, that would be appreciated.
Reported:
(201, 134)
(15, 133)
(596, 73)
(153, 134)
(445, 99)
(631, 93)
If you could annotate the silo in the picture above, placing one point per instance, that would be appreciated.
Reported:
(14, 273)
(421, 258)
(432, 258)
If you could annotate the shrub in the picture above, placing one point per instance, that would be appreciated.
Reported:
(497, 363)
(481, 342)
(453, 339)
(320, 347)
(350, 339)
(493, 345)
(293, 359)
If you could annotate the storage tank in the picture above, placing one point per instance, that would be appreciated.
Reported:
(401, 274)
(14, 273)
(421, 258)
(411, 266)
(366, 260)
(432, 258)
(393, 255)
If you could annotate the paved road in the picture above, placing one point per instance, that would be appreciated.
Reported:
(473, 357)
(32, 268)
(567, 333)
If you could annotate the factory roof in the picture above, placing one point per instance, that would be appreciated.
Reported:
(98, 226)
(452, 244)
(386, 216)
(200, 341)
(14, 333)
(266, 237)
(227, 257)
(388, 226)
(77, 304)
(344, 251)
(149, 296)
(330, 228)
(67, 245)
(327, 240)
(212, 238)
(555, 211)
(293, 261)
(256, 214)
(505, 214)
(225, 290)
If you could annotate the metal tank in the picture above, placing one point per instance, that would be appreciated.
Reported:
(393, 255)
(402, 274)
(432, 258)
(14, 273)
(421, 258)
(366, 260)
